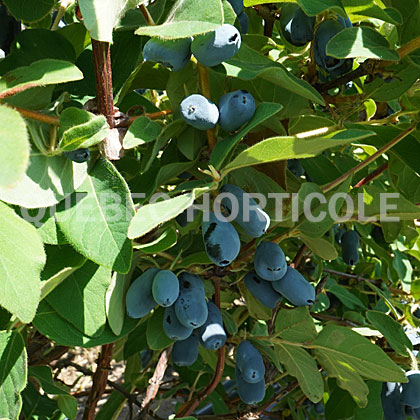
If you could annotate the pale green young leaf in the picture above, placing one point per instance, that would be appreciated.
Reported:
(22, 258)
(14, 152)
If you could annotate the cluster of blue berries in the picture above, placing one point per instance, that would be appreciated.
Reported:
(233, 110)
(272, 278)
(299, 29)
(188, 318)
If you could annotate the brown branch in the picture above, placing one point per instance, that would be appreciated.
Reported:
(370, 159)
(33, 115)
(54, 354)
(155, 381)
(15, 90)
(131, 398)
(147, 15)
(377, 172)
(152, 115)
(99, 381)
(103, 75)
(190, 406)
(298, 257)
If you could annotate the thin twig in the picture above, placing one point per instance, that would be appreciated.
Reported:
(33, 115)
(99, 381)
(147, 15)
(117, 387)
(370, 159)
(154, 382)
(298, 257)
(377, 172)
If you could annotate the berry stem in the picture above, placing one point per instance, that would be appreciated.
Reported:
(377, 172)
(147, 15)
(203, 73)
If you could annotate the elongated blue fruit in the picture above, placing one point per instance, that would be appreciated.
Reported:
(250, 362)
(410, 391)
(78, 156)
(250, 216)
(262, 290)
(217, 46)
(339, 235)
(326, 30)
(235, 109)
(199, 112)
(295, 167)
(391, 401)
(295, 288)
(165, 288)
(191, 307)
(172, 327)
(249, 393)
(243, 22)
(174, 54)
(270, 261)
(212, 333)
(139, 298)
(9, 28)
(221, 240)
(237, 5)
(350, 247)
(296, 26)
(185, 352)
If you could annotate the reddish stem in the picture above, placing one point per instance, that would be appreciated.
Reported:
(372, 175)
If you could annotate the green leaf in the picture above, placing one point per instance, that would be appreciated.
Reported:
(391, 330)
(166, 240)
(79, 128)
(100, 16)
(225, 146)
(300, 364)
(346, 297)
(360, 10)
(62, 261)
(68, 405)
(295, 325)
(49, 323)
(97, 224)
(40, 73)
(249, 64)
(373, 409)
(187, 18)
(361, 42)
(115, 301)
(321, 247)
(151, 215)
(281, 148)
(31, 12)
(14, 153)
(371, 208)
(311, 7)
(143, 130)
(156, 337)
(347, 356)
(12, 374)
(85, 289)
(22, 258)
(401, 264)
(47, 181)
(43, 376)
(255, 308)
